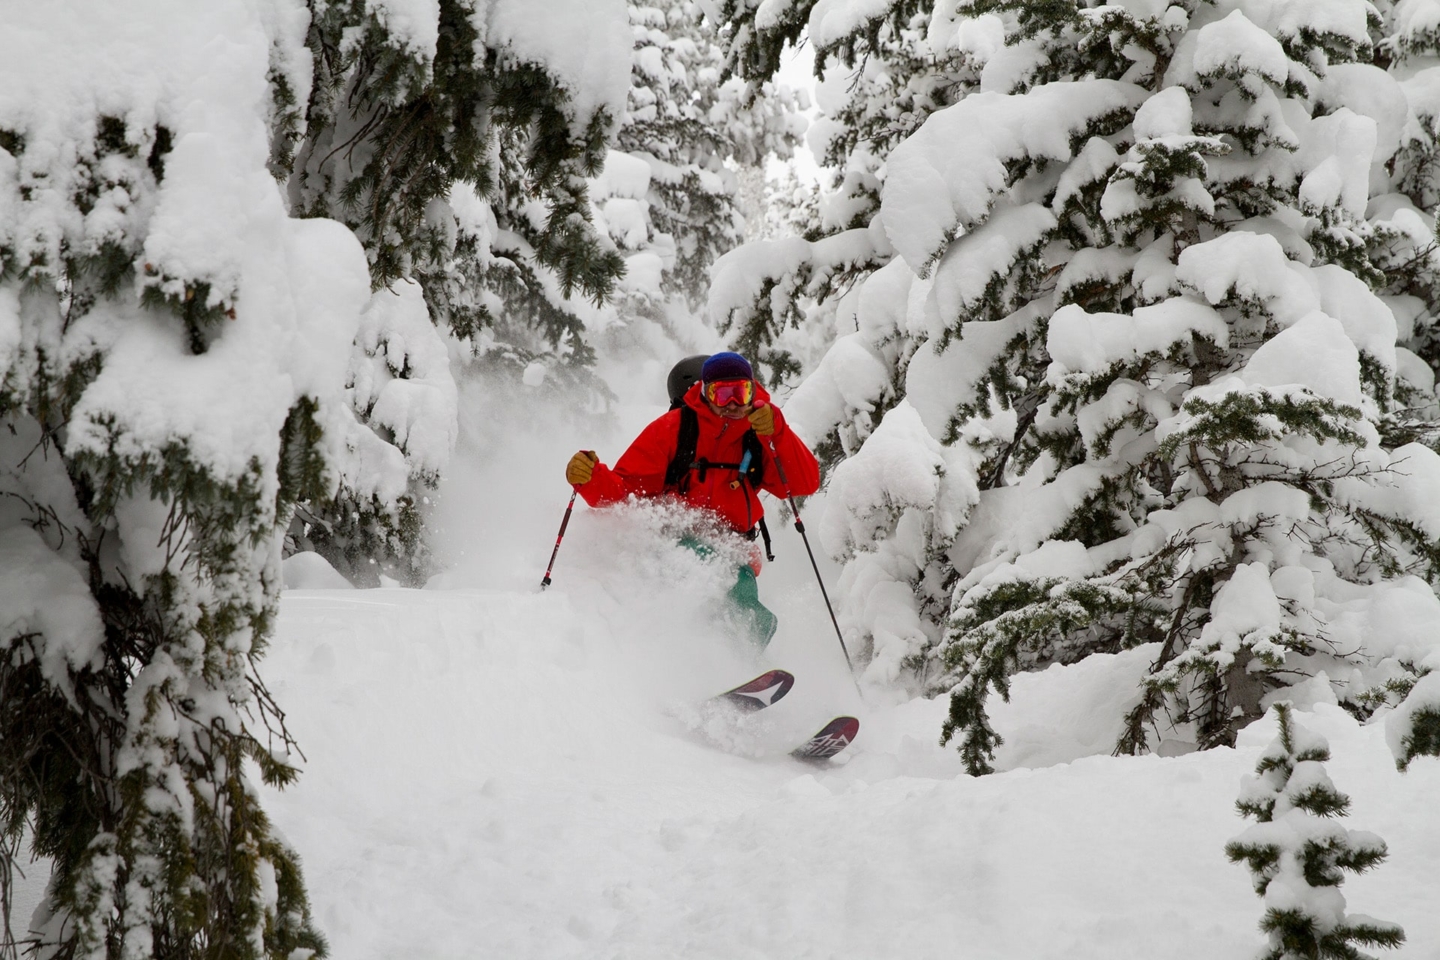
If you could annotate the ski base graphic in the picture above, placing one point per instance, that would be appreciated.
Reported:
(832, 738)
(764, 691)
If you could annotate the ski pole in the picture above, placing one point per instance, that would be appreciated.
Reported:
(800, 526)
(558, 537)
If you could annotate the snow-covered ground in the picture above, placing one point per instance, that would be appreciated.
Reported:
(499, 772)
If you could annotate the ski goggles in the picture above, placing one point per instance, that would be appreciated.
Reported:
(724, 393)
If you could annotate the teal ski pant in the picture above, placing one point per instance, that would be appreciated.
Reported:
(742, 601)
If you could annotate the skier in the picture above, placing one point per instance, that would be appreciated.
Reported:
(714, 450)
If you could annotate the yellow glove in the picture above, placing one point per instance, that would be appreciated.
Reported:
(763, 420)
(581, 467)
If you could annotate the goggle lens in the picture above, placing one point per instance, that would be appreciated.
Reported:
(724, 393)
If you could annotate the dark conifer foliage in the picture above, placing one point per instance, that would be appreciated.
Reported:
(141, 511)
(397, 145)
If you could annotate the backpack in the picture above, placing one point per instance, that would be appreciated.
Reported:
(751, 467)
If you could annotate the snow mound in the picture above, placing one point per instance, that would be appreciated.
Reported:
(310, 571)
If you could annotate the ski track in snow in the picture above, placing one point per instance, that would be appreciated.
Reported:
(499, 772)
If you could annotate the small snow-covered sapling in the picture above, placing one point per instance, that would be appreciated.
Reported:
(1298, 854)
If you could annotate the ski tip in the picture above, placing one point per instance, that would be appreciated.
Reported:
(761, 692)
(779, 680)
(832, 738)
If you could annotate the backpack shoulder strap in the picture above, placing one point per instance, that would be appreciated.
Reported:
(755, 469)
(677, 474)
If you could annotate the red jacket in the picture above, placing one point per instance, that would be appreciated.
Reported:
(641, 469)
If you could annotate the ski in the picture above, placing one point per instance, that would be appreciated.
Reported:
(764, 691)
(832, 738)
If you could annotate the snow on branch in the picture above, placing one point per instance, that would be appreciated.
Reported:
(945, 178)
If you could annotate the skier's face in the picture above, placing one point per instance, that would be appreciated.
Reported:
(732, 412)
(731, 399)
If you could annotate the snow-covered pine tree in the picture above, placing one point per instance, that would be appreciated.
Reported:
(410, 100)
(887, 68)
(1132, 275)
(883, 69)
(780, 205)
(400, 383)
(836, 291)
(456, 140)
(1406, 37)
(1413, 728)
(171, 383)
(693, 127)
(1215, 375)
(1298, 856)
(669, 194)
